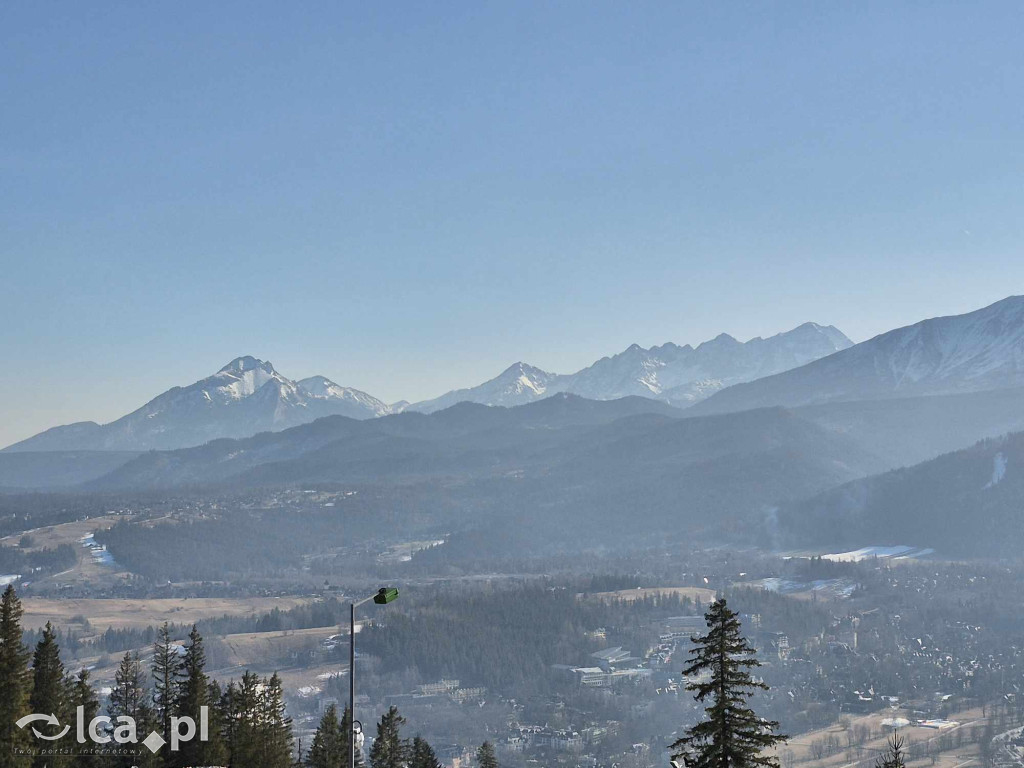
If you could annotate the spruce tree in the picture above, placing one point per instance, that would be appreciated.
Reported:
(192, 694)
(485, 757)
(732, 736)
(15, 681)
(275, 726)
(228, 721)
(389, 750)
(81, 694)
(241, 717)
(129, 698)
(166, 677)
(216, 748)
(49, 697)
(422, 755)
(327, 750)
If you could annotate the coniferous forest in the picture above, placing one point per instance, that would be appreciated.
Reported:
(246, 723)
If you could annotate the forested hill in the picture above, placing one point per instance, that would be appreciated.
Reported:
(440, 442)
(963, 503)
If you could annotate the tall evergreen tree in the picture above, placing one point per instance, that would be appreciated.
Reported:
(128, 698)
(49, 697)
(81, 694)
(330, 743)
(732, 736)
(256, 729)
(485, 757)
(228, 721)
(422, 755)
(328, 750)
(241, 715)
(253, 724)
(193, 693)
(389, 749)
(216, 748)
(275, 726)
(166, 678)
(15, 681)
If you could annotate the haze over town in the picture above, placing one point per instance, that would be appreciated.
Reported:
(584, 385)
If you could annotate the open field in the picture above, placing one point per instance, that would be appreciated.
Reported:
(629, 595)
(255, 648)
(854, 752)
(65, 533)
(89, 569)
(120, 613)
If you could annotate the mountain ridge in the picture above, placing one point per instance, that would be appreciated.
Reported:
(248, 395)
(972, 352)
(679, 375)
(244, 397)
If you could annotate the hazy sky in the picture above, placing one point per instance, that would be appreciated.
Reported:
(407, 197)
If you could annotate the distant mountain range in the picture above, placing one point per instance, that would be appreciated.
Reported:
(678, 375)
(978, 351)
(248, 396)
(885, 392)
(243, 398)
(628, 467)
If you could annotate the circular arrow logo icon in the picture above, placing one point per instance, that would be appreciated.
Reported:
(50, 719)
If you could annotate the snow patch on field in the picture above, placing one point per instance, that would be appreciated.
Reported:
(866, 553)
(97, 551)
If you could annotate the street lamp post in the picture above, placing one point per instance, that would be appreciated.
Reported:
(383, 596)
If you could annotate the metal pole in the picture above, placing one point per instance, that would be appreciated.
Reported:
(352, 686)
(383, 595)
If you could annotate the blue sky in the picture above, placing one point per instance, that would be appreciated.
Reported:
(407, 197)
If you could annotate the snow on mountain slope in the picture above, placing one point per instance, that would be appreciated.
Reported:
(684, 375)
(679, 375)
(979, 351)
(323, 388)
(244, 397)
(518, 384)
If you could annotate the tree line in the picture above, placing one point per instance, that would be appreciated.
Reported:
(48, 559)
(240, 725)
(245, 722)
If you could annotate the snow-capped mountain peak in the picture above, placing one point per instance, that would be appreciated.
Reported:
(244, 397)
(521, 377)
(247, 363)
(681, 375)
(242, 377)
(977, 351)
(519, 383)
(323, 388)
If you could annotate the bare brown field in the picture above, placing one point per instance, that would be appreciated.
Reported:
(799, 751)
(254, 648)
(87, 570)
(119, 613)
(65, 533)
(629, 595)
